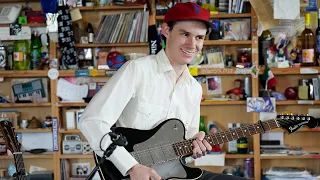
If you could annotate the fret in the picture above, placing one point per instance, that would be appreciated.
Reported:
(209, 139)
(220, 138)
(248, 130)
(268, 125)
(228, 138)
(215, 134)
(229, 135)
(254, 128)
(242, 132)
(223, 137)
(236, 130)
(232, 132)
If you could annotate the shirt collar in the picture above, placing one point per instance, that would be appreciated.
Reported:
(163, 62)
(164, 65)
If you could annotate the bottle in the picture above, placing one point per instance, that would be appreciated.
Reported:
(90, 33)
(307, 40)
(21, 55)
(9, 57)
(35, 49)
(242, 145)
(202, 126)
(318, 41)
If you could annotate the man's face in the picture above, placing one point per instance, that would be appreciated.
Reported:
(185, 41)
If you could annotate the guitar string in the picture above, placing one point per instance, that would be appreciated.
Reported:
(148, 150)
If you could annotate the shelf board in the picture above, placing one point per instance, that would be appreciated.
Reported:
(212, 103)
(222, 71)
(93, 45)
(71, 104)
(36, 130)
(67, 131)
(225, 42)
(297, 102)
(28, 24)
(113, 7)
(238, 156)
(76, 156)
(30, 156)
(24, 73)
(290, 157)
(293, 70)
(218, 16)
(16, 105)
(68, 73)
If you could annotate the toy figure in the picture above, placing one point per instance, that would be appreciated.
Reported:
(237, 92)
(48, 122)
(282, 44)
(295, 54)
(229, 61)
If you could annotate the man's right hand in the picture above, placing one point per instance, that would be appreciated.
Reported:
(141, 172)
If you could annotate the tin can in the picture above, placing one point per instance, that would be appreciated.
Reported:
(3, 57)
(248, 168)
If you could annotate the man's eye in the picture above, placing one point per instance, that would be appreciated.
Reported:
(186, 34)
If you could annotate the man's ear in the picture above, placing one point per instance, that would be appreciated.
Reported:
(165, 29)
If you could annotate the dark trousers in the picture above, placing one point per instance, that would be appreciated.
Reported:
(207, 175)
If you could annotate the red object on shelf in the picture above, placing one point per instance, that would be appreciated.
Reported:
(35, 17)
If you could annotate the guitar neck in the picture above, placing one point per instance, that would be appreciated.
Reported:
(20, 169)
(184, 148)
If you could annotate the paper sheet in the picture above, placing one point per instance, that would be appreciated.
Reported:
(37, 140)
(210, 160)
(71, 92)
(286, 9)
(264, 11)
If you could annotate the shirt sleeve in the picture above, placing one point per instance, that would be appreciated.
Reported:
(194, 125)
(104, 110)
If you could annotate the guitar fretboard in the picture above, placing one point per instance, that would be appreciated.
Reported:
(184, 148)
(18, 159)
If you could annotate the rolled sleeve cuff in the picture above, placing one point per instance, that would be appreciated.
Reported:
(123, 160)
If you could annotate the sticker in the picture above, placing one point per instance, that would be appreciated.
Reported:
(308, 71)
(305, 102)
(82, 73)
(193, 71)
(93, 72)
(110, 73)
(53, 73)
(261, 104)
(254, 71)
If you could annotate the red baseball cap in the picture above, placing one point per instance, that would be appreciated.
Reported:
(188, 11)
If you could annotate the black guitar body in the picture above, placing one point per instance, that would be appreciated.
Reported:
(168, 132)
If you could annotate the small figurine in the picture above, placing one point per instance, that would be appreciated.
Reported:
(229, 61)
(237, 92)
(295, 54)
(48, 122)
(282, 44)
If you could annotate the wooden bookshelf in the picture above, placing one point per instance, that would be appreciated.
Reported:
(68, 73)
(36, 130)
(111, 7)
(76, 156)
(17, 105)
(225, 42)
(293, 70)
(29, 24)
(297, 102)
(291, 157)
(24, 73)
(213, 103)
(219, 16)
(71, 131)
(29, 156)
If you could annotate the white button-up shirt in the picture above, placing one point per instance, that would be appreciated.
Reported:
(142, 94)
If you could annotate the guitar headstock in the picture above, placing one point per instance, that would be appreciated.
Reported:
(292, 123)
(9, 136)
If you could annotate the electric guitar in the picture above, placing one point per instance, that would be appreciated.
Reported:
(164, 147)
(8, 134)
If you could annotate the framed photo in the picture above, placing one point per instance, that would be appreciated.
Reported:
(261, 104)
(214, 85)
(215, 56)
(80, 169)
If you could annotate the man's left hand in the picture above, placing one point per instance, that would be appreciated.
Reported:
(201, 146)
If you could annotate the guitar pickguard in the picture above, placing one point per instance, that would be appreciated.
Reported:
(170, 132)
